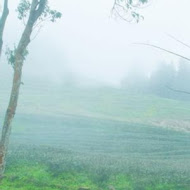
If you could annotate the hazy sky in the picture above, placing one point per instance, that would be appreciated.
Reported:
(88, 43)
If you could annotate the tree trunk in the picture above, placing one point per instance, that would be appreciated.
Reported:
(37, 8)
(9, 117)
(2, 23)
(13, 98)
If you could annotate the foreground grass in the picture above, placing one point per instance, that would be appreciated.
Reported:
(38, 177)
(53, 169)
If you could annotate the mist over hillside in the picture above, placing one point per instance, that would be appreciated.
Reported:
(94, 95)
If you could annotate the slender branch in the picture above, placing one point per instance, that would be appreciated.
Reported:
(179, 41)
(179, 91)
(38, 31)
(38, 24)
(118, 9)
(168, 51)
(122, 17)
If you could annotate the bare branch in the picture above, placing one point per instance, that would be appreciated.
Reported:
(38, 31)
(116, 11)
(179, 41)
(168, 51)
(39, 24)
(179, 91)
(127, 9)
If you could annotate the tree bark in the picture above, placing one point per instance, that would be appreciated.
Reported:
(37, 8)
(2, 23)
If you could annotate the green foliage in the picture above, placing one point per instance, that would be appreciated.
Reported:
(100, 176)
(144, 1)
(23, 9)
(127, 9)
(27, 175)
(135, 1)
(48, 14)
(10, 54)
(136, 16)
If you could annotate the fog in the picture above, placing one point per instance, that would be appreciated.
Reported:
(88, 44)
(94, 109)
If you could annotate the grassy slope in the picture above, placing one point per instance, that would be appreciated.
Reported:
(47, 99)
(96, 124)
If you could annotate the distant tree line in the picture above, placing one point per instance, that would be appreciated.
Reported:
(167, 81)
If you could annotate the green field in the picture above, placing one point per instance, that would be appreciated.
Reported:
(67, 138)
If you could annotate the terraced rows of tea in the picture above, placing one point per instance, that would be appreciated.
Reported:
(138, 146)
(88, 134)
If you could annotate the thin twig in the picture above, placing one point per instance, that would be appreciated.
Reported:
(168, 51)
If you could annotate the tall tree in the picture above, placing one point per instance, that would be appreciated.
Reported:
(2, 23)
(35, 11)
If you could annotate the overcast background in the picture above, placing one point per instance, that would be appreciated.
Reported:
(87, 44)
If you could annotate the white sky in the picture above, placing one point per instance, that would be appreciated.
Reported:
(88, 43)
